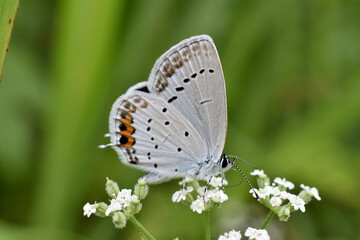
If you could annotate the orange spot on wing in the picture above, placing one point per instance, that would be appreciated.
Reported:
(127, 120)
(130, 142)
(125, 133)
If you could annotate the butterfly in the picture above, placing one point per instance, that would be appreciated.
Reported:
(174, 124)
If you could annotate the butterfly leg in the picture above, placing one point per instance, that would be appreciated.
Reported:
(222, 181)
(207, 185)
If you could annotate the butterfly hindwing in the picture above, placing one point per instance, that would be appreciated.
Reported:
(150, 134)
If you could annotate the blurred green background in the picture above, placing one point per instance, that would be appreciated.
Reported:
(292, 70)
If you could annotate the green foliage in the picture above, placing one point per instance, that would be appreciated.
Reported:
(8, 11)
(293, 81)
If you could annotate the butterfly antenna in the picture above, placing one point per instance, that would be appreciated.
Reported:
(243, 160)
(246, 179)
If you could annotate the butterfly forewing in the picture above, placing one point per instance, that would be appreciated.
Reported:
(190, 78)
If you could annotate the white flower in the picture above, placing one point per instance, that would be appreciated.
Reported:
(267, 191)
(311, 191)
(257, 234)
(125, 193)
(114, 206)
(258, 172)
(123, 199)
(134, 199)
(232, 235)
(296, 202)
(218, 182)
(275, 201)
(216, 195)
(198, 205)
(284, 183)
(283, 195)
(201, 190)
(181, 194)
(89, 209)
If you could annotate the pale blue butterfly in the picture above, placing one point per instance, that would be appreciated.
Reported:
(174, 125)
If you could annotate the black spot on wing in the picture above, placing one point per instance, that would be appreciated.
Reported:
(205, 101)
(123, 140)
(122, 127)
(143, 89)
(172, 99)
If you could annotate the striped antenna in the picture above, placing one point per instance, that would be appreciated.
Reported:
(243, 174)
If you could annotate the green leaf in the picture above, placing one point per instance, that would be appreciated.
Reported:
(8, 10)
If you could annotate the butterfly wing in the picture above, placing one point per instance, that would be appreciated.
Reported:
(190, 78)
(177, 120)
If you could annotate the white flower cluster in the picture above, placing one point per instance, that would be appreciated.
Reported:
(257, 234)
(232, 235)
(123, 200)
(251, 233)
(276, 197)
(203, 198)
(123, 204)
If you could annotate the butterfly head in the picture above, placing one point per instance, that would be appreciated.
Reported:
(224, 163)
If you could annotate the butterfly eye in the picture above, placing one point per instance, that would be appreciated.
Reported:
(224, 163)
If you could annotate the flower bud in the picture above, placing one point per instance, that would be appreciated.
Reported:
(112, 188)
(263, 181)
(284, 213)
(141, 189)
(119, 219)
(304, 195)
(101, 209)
(132, 209)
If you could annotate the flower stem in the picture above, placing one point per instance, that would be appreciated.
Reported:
(267, 219)
(141, 228)
(207, 225)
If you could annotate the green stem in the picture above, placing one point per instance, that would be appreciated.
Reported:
(267, 219)
(207, 225)
(141, 228)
